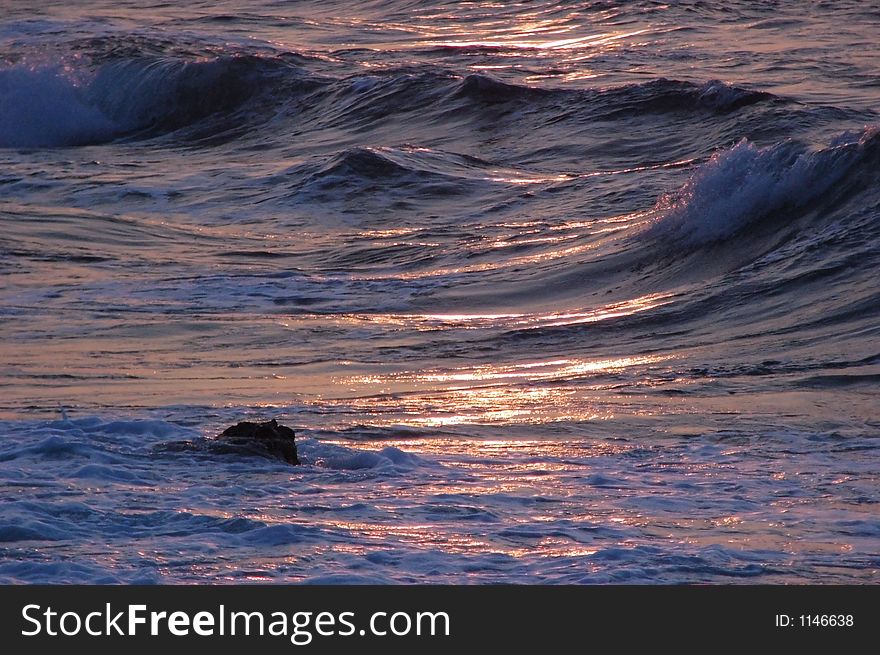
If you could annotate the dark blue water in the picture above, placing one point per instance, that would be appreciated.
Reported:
(564, 292)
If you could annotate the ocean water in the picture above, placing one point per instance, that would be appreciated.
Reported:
(552, 292)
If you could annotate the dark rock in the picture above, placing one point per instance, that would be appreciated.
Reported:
(269, 438)
(266, 439)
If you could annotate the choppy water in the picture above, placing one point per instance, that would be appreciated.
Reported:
(562, 292)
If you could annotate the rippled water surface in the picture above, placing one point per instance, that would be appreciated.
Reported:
(561, 292)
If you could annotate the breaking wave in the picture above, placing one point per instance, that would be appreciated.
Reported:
(743, 185)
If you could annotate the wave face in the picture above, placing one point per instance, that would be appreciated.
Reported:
(551, 285)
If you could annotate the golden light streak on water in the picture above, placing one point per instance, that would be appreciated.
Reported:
(547, 370)
(518, 320)
(490, 393)
(525, 39)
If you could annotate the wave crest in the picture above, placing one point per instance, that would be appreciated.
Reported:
(744, 184)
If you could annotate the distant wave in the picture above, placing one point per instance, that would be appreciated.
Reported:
(73, 103)
(663, 95)
(655, 96)
(46, 106)
(63, 105)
